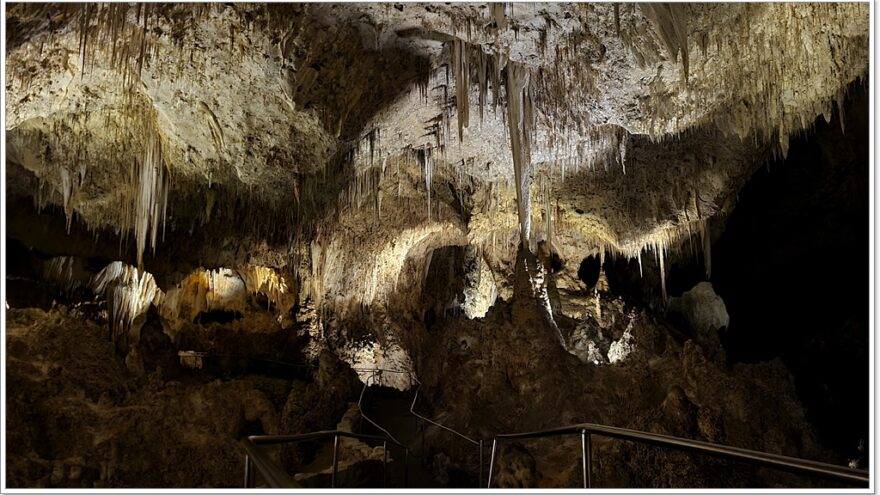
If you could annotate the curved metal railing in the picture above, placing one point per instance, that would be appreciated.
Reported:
(586, 430)
(276, 477)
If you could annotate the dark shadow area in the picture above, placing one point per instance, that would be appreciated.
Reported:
(641, 285)
(217, 316)
(792, 268)
(443, 291)
(588, 272)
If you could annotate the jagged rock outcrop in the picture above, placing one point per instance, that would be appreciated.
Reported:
(517, 378)
(80, 419)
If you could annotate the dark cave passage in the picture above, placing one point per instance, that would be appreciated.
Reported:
(792, 267)
(443, 292)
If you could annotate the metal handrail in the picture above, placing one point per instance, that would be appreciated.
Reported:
(478, 443)
(586, 430)
(450, 430)
(414, 378)
(361, 409)
(275, 477)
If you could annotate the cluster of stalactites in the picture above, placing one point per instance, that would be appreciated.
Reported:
(134, 145)
(469, 60)
(692, 238)
(764, 75)
(598, 148)
(468, 63)
(787, 63)
(125, 35)
(268, 282)
(120, 32)
(130, 291)
(520, 112)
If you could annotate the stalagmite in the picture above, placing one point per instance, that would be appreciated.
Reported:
(62, 270)
(129, 293)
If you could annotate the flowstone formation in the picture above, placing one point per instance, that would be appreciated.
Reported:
(236, 189)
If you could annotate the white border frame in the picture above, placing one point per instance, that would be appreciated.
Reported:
(872, 340)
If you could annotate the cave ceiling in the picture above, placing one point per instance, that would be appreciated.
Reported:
(345, 136)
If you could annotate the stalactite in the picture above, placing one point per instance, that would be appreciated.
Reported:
(461, 75)
(706, 237)
(214, 126)
(496, 10)
(68, 191)
(548, 210)
(671, 22)
(617, 19)
(482, 80)
(660, 253)
(639, 256)
(151, 201)
(520, 124)
(427, 162)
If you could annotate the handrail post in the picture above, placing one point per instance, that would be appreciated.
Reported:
(405, 467)
(384, 463)
(335, 460)
(248, 472)
(586, 453)
(480, 482)
(492, 462)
